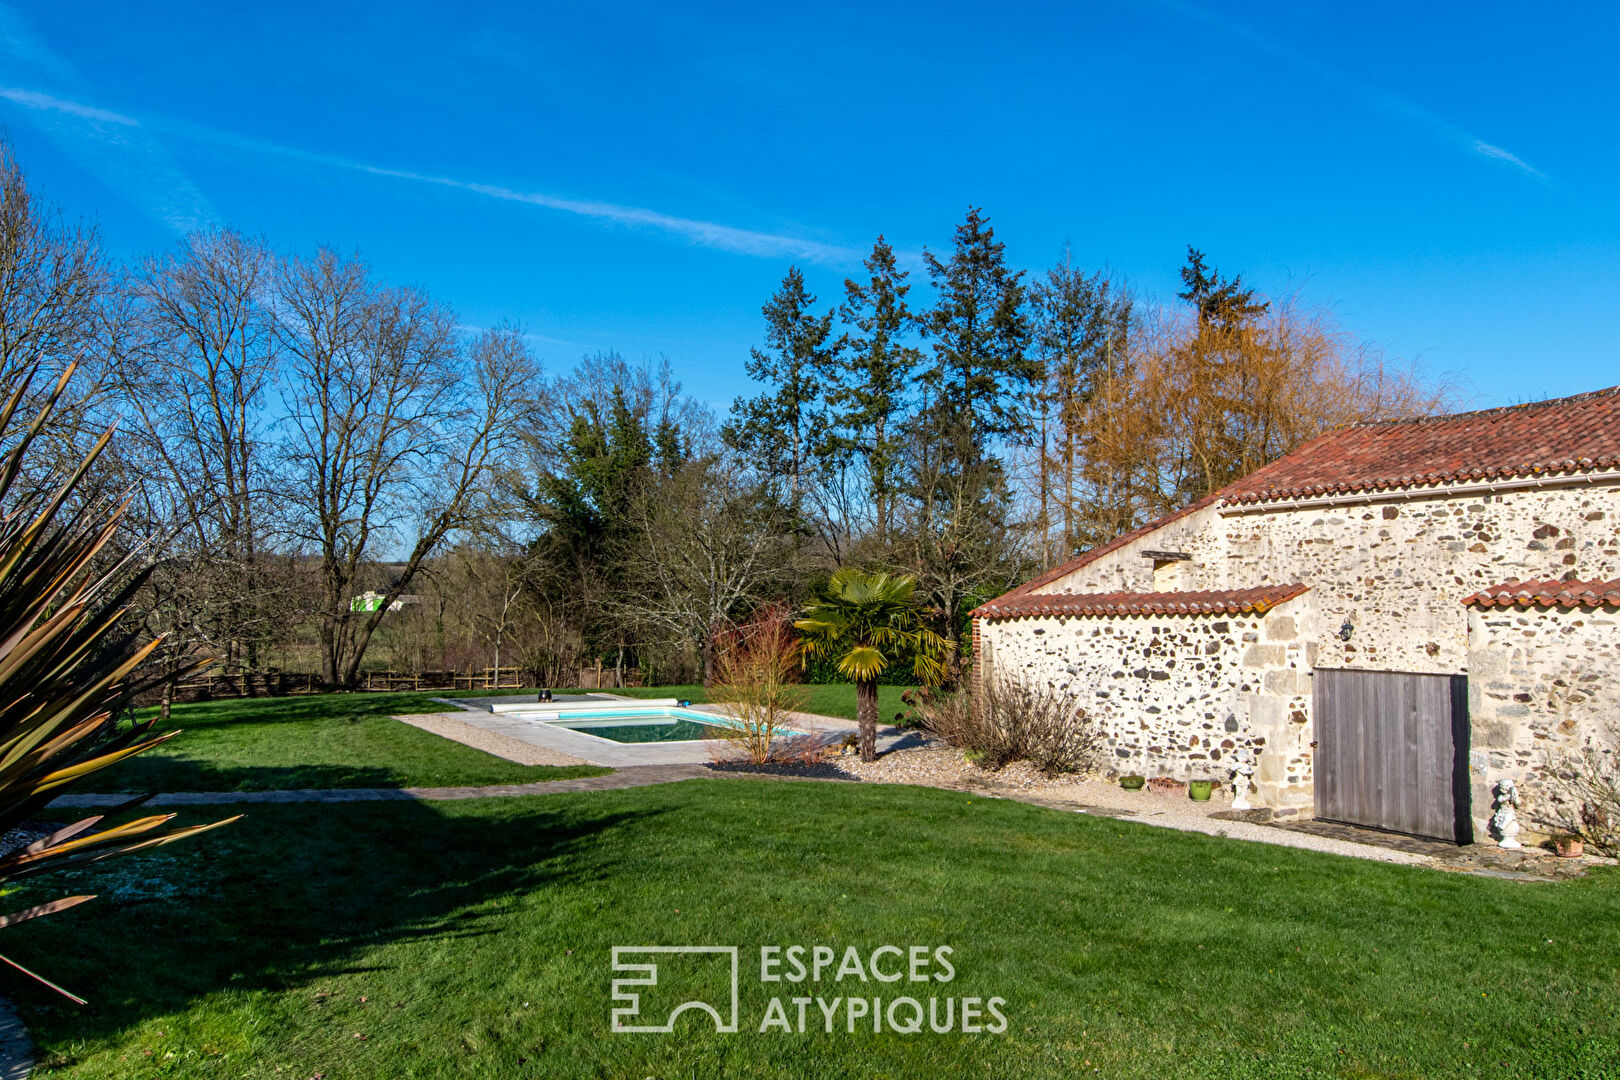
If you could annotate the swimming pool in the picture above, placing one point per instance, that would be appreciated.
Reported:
(635, 723)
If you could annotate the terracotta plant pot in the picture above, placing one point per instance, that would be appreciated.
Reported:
(1569, 847)
(1198, 790)
(1132, 783)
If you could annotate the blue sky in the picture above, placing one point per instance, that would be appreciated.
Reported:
(639, 176)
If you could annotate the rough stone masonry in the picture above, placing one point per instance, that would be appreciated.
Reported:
(1392, 572)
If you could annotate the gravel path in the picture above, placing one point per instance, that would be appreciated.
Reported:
(451, 726)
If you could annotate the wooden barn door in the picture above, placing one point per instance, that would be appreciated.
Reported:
(1392, 751)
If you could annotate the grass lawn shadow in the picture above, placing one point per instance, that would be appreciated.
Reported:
(287, 897)
(474, 939)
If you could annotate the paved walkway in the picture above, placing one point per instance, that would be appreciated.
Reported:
(453, 726)
(1482, 857)
(474, 727)
(16, 1048)
(632, 777)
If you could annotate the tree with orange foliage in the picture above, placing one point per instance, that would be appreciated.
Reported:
(1208, 394)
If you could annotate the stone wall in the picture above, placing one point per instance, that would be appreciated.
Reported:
(1542, 682)
(1387, 576)
(1396, 569)
(1179, 695)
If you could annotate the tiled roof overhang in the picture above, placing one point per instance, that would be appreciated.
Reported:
(1564, 436)
(1255, 601)
(1548, 593)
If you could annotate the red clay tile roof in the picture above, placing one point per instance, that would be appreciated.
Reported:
(1572, 434)
(1217, 602)
(1548, 593)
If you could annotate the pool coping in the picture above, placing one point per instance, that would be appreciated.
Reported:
(599, 751)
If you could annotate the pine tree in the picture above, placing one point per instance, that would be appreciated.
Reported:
(976, 389)
(1217, 359)
(869, 394)
(1081, 322)
(779, 428)
(981, 373)
(1221, 304)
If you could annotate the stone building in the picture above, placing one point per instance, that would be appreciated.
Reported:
(1382, 623)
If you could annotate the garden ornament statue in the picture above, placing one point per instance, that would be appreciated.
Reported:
(1241, 771)
(1506, 819)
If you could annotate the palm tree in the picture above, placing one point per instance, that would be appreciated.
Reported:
(866, 621)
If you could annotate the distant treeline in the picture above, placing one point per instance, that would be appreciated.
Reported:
(294, 431)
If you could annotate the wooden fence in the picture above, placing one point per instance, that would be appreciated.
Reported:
(285, 683)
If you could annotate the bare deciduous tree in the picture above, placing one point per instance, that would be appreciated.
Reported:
(709, 541)
(1198, 404)
(196, 390)
(395, 432)
(54, 312)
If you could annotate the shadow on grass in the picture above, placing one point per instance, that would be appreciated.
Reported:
(202, 715)
(287, 896)
(152, 772)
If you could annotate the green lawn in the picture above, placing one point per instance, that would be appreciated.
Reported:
(472, 939)
(827, 700)
(314, 741)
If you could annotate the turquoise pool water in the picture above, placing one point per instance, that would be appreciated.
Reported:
(673, 731)
(642, 724)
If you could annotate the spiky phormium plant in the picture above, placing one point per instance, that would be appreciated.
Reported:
(65, 667)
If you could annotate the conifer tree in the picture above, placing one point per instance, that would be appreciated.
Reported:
(980, 372)
(976, 389)
(779, 428)
(1080, 323)
(1224, 305)
(869, 390)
